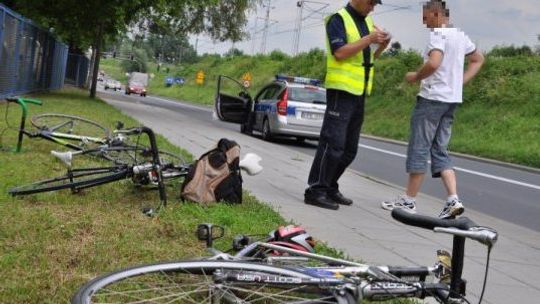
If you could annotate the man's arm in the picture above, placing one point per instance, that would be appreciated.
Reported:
(350, 49)
(476, 60)
(430, 66)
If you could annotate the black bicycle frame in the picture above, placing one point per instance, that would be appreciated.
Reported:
(156, 163)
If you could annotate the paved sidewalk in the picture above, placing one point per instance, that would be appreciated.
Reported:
(363, 230)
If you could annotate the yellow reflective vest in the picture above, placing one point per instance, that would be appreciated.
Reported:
(349, 74)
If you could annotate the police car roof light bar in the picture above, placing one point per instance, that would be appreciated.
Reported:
(302, 80)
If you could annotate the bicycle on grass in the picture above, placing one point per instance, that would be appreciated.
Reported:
(81, 134)
(71, 131)
(146, 172)
(239, 278)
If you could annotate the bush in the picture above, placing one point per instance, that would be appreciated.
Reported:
(278, 55)
(511, 51)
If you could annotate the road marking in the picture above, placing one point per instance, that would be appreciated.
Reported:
(507, 180)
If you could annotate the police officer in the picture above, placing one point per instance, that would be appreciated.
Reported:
(353, 43)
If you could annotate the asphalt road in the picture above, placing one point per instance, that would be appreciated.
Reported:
(505, 192)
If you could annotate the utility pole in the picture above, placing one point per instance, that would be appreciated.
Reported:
(298, 26)
(300, 18)
(266, 25)
(253, 36)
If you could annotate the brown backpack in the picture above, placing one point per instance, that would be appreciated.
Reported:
(215, 176)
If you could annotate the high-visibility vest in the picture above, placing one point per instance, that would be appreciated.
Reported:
(349, 74)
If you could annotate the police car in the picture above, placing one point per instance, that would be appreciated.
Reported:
(288, 106)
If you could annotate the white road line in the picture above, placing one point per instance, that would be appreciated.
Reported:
(507, 180)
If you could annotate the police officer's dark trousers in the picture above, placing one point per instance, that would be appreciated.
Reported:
(338, 143)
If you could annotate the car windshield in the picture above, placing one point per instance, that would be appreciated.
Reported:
(136, 84)
(307, 94)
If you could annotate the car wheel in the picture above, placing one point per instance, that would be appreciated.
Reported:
(266, 133)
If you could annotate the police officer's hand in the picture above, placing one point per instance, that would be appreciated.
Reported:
(378, 36)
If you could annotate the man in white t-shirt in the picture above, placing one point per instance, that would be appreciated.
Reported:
(441, 77)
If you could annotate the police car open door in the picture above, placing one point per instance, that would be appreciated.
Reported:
(232, 103)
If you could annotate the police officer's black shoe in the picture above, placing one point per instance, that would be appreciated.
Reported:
(340, 199)
(321, 200)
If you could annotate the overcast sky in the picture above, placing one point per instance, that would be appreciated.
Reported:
(487, 22)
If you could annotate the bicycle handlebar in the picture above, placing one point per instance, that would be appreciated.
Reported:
(24, 100)
(484, 235)
(462, 226)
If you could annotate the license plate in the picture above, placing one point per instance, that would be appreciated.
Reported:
(312, 116)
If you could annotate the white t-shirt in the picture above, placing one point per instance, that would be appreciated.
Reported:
(446, 84)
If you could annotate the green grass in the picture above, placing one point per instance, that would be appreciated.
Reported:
(53, 242)
(499, 119)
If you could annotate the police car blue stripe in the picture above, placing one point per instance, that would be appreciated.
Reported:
(291, 111)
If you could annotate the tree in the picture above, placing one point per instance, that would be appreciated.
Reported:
(234, 52)
(89, 23)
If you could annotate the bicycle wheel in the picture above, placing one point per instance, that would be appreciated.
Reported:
(138, 154)
(71, 128)
(206, 282)
(78, 179)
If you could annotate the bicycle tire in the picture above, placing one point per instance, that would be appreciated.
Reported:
(71, 125)
(133, 155)
(79, 179)
(173, 165)
(204, 281)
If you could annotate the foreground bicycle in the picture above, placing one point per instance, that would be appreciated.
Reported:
(239, 278)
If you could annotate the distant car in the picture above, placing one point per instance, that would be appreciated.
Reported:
(287, 106)
(112, 84)
(136, 88)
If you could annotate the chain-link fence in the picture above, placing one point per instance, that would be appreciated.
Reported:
(31, 59)
(77, 70)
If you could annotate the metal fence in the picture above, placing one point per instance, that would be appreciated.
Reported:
(31, 59)
(77, 70)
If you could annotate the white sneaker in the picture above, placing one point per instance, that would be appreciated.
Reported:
(400, 202)
(452, 209)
